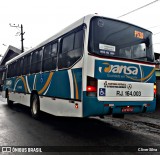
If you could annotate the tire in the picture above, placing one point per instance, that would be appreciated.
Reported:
(35, 107)
(118, 115)
(9, 102)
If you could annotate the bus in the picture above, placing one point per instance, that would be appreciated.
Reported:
(97, 66)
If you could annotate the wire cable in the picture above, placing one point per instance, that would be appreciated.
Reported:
(138, 8)
(153, 27)
(156, 33)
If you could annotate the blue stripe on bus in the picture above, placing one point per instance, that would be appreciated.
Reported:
(55, 84)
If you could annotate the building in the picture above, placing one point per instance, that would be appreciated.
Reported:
(10, 53)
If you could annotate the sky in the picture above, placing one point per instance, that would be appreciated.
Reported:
(42, 19)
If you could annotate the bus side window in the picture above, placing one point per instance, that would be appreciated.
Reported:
(18, 68)
(13, 69)
(36, 61)
(3, 76)
(54, 55)
(21, 66)
(26, 64)
(9, 71)
(71, 49)
(78, 44)
(50, 57)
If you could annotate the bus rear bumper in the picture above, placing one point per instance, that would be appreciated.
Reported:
(93, 107)
(131, 108)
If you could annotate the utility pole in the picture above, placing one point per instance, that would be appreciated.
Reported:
(22, 47)
(21, 33)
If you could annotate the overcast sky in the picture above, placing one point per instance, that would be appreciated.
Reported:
(41, 19)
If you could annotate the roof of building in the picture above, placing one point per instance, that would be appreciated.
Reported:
(10, 48)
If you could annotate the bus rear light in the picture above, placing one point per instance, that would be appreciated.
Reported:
(91, 86)
(91, 89)
(155, 90)
(106, 105)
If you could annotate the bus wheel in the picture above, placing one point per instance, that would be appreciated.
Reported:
(9, 102)
(118, 115)
(35, 107)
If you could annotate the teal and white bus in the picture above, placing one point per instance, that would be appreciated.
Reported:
(94, 67)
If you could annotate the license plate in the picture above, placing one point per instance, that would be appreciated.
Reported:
(127, 109)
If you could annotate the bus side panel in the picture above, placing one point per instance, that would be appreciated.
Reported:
(56, 84)
(9, 84)
(20, 98)
(66, 84)
(60, 107)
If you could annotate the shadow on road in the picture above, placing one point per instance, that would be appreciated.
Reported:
(73, 125)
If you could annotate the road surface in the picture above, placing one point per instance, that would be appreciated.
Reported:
(18, 128)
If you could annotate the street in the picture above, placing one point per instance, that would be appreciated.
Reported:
(18, 128)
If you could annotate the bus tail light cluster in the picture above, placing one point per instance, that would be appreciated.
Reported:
(91, 89)
(91, 86)
(155, 90)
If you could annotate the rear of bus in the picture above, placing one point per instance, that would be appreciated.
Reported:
(119, 69)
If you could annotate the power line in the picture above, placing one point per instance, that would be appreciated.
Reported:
(138, 8)
(155, 43)
(156, 33)
(153, 27)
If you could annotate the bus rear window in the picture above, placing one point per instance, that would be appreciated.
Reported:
(114, 38)
(136, 52)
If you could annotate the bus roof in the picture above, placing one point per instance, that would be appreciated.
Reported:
(62, 32)
(84, 19)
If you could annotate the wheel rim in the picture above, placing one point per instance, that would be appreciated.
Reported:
(34, 107)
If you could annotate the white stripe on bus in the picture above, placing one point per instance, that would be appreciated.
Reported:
(28, 85)
(34, 82)
(71, 83)
(47, 89)
(16, 84)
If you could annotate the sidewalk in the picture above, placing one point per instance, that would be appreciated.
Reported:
(147, 119)
(155, 114)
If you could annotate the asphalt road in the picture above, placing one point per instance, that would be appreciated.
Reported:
(18, 128)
